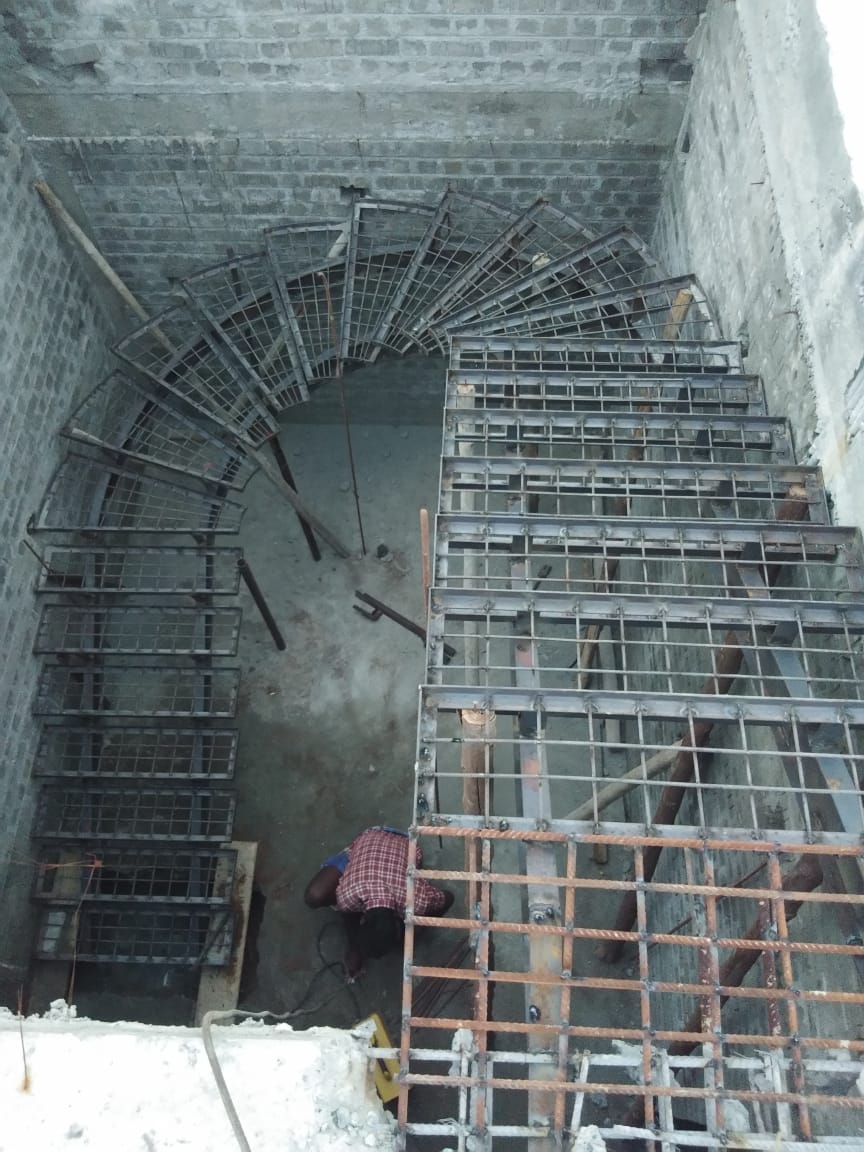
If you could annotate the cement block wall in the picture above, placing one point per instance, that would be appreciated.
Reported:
(53, 336)
(178, 130)
(759, 201)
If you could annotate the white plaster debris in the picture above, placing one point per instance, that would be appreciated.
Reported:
(588, 1139)
(101, 1087)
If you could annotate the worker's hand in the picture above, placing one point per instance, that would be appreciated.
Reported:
(353, 963)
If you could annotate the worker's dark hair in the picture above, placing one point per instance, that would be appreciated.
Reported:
(381, 931)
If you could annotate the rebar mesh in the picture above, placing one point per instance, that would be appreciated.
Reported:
(131, 631)
(462, 228)
(85, 495)
(136, 935)
(519, 354)
(134, 752)
(121, 417)
(132, 689)
(240, 300)
(68, 873)
(135, 570)
(174, 352)
(384, 238)
(616, 261)
(663, 310)
(100, 813)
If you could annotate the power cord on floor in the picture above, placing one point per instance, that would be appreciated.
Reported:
(217, 1017)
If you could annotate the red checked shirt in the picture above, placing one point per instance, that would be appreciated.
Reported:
(375, 876)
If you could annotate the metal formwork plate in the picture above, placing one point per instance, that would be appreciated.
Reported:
(136, 935)
(136, 752)
(140, 571)
(119, 814)
(573, 354)
(664, 490)
(132, 689)
(585, 392)
(618, 435)
(127, 421)
(104, 874)
(116, 631)
(87, 495)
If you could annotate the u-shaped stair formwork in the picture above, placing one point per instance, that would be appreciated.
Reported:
(638, 579)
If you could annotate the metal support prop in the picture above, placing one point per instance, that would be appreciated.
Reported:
(288, 477)
(261, 604)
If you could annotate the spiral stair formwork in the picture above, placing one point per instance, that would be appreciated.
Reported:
(627, 559)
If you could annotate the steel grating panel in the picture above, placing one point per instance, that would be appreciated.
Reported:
(574, 354)
(615, 261)
(141, 571)
(543, 236)
(86, 495)
(173, 351)
(96, 873)
(649, 556)
(118, 814)
(121, 418)
(136, 935)
(309, 260)
(674, 309)
(385, 235)
(240, 302)
(631, 488)
(136, 752)
(132, 689)
(626, 436)
(573, 392)
(162, 631)
(463, 226)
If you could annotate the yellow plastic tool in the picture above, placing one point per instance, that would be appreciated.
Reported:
(386, 1070)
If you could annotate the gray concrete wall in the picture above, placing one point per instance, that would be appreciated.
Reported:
(52, 343)
(185, 128)
(759, 201)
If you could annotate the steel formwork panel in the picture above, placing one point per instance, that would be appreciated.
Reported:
(632, 488)
(162, 631)
(122, 418)
(173, 352)
(131, 689)
(127, 814)
(136, 752)
(241, 303)
(660, 310)
(574, 392)
(86, 495)
(136, 935)
(586, 435)
(99, 873)
(574, 354)
(385, 235)
(137, 571)
(463, 226)
(542, 236)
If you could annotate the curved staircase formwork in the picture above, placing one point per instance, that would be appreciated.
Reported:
(627, 555)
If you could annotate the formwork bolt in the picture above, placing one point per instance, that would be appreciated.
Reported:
(534, 1013)
(503, 825)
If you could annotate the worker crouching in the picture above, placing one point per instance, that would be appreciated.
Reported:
(366, 883)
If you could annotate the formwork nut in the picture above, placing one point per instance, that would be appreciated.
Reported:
(534, 1013)
(503, 825)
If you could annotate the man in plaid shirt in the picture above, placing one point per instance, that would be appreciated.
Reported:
(366, 882)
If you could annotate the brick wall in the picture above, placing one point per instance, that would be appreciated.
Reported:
(184, 129)
(52, 337)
